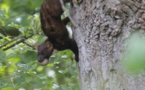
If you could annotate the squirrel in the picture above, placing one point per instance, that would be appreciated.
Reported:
(45, 50)
(55, 29)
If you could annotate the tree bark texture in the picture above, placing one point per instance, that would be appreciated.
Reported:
(102, 27)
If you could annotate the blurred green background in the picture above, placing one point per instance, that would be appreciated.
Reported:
(20, 32)
(134, 53)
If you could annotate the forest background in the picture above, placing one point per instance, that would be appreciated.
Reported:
(20, 32)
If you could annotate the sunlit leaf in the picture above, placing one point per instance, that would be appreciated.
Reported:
(13, 60)
(40, 68)
(8, 88)
(5, 6)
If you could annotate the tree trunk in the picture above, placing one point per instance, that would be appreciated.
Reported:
(102, 27)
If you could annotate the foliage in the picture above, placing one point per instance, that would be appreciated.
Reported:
(19, 33)
(134, 56)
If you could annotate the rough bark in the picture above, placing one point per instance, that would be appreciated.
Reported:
(102, 27)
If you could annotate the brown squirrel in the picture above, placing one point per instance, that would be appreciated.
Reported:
(55, 29)
(45, 50)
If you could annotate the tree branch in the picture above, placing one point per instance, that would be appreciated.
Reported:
(14, 39)
(19, 41)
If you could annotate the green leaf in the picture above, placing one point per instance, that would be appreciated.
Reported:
(29, 56)
(8, 88)
(41, 39)
(28, 79)
(13, 60)
(2, 56)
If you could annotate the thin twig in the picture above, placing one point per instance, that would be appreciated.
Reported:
(28, 45)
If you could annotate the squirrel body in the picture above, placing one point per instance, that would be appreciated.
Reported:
(55, 29)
